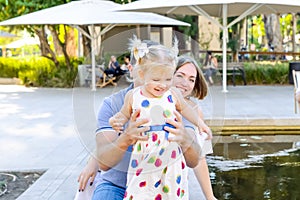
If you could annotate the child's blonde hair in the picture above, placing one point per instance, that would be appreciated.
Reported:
(154, 55)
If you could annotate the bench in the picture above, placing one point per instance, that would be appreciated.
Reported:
(107, 79)
(102, 79)
(233, 69)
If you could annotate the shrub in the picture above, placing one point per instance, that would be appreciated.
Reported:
(266, 72)
(39, 71)
(9, 67)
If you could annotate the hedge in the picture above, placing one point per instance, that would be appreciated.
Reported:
(41, 72)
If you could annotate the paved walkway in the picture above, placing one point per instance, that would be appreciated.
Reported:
(52, 129)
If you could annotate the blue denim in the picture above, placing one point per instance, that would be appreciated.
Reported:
(108, 191)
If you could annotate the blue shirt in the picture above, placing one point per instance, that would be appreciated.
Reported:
(117, 175)
(111, 105)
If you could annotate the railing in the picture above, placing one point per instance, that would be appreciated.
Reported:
(243, 53)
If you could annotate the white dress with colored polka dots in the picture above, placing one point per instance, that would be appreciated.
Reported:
(157, 168)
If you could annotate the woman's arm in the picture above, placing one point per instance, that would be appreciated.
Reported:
(188, 112)
(200, 114)
(214, 62)
(201, 171)
(202, 174)
(89, 172)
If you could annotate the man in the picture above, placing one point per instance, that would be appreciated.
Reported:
(114, 149)
(114, 67)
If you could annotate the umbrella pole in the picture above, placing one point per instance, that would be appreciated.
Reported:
(93, 60)
(225, 37)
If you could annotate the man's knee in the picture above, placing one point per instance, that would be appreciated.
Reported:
(107, 191)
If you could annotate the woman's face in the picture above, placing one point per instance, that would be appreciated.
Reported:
(184, 79)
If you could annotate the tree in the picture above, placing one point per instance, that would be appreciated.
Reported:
(62, 35)
(233, 37)
(273, 33)
(191, 31)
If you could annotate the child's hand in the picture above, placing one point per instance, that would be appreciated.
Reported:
(117, 123)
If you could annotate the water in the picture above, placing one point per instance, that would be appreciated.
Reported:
(243, 170)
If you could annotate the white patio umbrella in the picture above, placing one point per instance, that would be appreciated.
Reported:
(216, 8)
(5, 34)
(91, 12)
(23, 42)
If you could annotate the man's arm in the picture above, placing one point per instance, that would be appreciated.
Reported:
(111, 147)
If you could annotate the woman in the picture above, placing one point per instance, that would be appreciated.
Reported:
(210, 67)
(189, 79)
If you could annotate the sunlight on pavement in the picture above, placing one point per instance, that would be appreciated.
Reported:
(16, 88)
(36, 116)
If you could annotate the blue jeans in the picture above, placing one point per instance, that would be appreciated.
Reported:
(108, 191)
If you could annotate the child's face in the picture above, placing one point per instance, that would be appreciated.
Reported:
(158, 80)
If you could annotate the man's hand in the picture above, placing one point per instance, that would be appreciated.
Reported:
(135, 130)
(186, 138)
(180, 134)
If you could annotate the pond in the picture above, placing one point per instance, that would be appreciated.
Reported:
(256, 167)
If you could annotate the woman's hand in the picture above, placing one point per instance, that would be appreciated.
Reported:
(204, 128)
(88, 174)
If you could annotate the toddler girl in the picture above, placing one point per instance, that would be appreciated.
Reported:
(157, 167)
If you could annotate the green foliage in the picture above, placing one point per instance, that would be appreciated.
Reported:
(63, 76)
(9, 67)
(258, 26)
(193, 29)
(10, 9)
(40, 71)
(266, 72)
(122, 1)
(286, 24)
(298, 22)
(233, 35)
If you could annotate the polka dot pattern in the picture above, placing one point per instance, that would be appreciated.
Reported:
(167, 114)
(157, 165)
(145, 104)
(134, 163)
